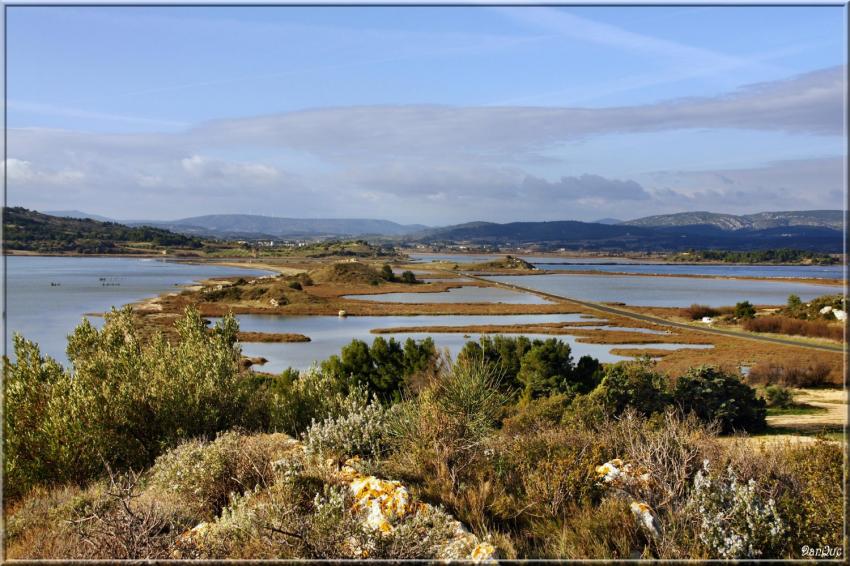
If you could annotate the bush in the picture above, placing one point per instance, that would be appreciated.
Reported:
(744, 310)
(535, 369)
(312, 395)
(632, 385)
(793, 326)
(203, 475)
(778, 396)
(359, 430)
(798, 374)
(736, 520)
(696, 312)
(606, 532)
(126, 401)
(716, 396)
(383, 369)
(442, 431)
(815, 507)
(409, 278)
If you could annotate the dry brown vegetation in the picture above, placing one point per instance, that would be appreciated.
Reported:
(793, 374)
(271, 337)
(786, 325)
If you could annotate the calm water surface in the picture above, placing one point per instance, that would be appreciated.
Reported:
(47, 314)
(468, 294)
(624, 265)
(667, 291)
(329, 334)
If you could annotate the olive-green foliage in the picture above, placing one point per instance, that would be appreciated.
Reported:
(744, 310)
(385, 367)
(387, 273)
(814, 507)
(408, 277)
(795, 308)
(778, 396)
(442, 428)
(714, 395)
(125, 401)
(538, 368)
(634, 385)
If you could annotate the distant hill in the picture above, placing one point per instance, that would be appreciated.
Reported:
(237, 226)
(626, 237)
(28, 230)
(608, 221)
(77, 214)
(833, 219)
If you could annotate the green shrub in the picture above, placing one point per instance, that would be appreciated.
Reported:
(814, 508)
(408, 277)
(632, 385)
(778, 396)
(125, 401)
(716, 396)
(744, 310)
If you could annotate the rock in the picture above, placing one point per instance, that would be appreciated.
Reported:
(839, 314)
(825, 309)
(342, 313)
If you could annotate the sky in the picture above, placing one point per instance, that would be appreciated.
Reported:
(425, 115)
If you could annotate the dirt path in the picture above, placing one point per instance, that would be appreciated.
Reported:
(833, 400)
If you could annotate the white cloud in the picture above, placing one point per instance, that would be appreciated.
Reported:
(434, 164)
(21, 171)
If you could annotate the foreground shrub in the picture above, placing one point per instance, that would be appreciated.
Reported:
(716, 396)
(736, 521)
(125, 401)
(793, 326)
(203, 475)
(359, 430)
(606, 532)
(798, 374)
(814, 506)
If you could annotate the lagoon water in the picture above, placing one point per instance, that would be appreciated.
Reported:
(47, 314)
(624, 265)
(667, 291)
(731, 270)
(467, 294)
(329, 334)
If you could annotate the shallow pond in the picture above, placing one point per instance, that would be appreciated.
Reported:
(667, 291)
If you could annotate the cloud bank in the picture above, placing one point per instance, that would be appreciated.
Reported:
(431, 163)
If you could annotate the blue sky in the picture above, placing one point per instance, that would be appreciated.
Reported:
(430, 115)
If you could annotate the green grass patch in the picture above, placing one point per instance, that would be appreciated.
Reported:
(797, 409)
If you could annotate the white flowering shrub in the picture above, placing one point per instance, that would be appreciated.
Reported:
(735, 519)
(359, 429)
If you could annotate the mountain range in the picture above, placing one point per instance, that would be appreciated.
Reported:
(760, 221)
(820, 230)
